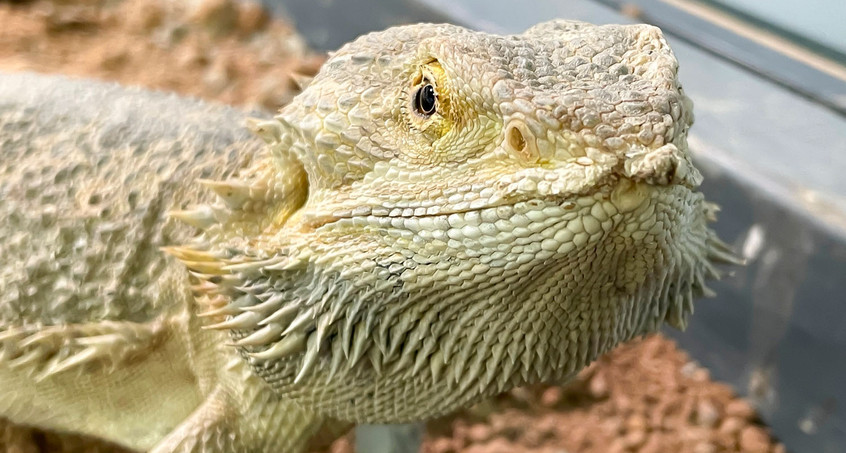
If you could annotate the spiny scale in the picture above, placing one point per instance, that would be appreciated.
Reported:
(338, 360)
(245, 320)
(302, 80)
(204, 287)
(57, 366)
(219, 307)
(289, 345)
(254, 266)
(423, 355)
(263, 336)
(55, 349)
(352, 316)
(376, 360)
(302, 320)
(191, 254)
(472, 372)
(209, 266)
(30, 358)
(283, 316)
(268, 130)
(234, 193)
(200, 217)
(310, 358)
(492, 368)
(720, 252)
(269, 306)
(359, 343)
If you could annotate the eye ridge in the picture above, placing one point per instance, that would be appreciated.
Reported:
(425, 100)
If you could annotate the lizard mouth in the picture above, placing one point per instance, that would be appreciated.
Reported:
(385, 213)
(624, 192)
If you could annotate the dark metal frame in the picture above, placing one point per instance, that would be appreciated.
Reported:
(813, 84)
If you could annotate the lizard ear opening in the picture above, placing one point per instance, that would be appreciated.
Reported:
(520, 141)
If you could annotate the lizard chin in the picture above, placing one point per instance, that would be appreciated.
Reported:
(342, 322)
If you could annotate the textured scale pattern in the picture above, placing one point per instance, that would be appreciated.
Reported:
(86, 345)
(377, 260)
(399, 290)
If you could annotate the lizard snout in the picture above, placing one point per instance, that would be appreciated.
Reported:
(665, 165)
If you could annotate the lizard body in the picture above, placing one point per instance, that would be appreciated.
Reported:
(440, 216)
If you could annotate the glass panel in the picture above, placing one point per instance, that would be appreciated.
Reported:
(818, 24)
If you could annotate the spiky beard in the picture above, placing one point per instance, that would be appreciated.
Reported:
(303, 325)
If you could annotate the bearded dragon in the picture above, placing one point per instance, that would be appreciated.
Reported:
(440, 216)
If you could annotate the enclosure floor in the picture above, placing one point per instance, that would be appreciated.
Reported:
(645, 397)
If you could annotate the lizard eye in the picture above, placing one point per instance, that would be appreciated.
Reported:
(424, 100)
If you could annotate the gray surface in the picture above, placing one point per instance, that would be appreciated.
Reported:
(818, 20)
(389, 438)
(762, 60)
(327, 24)
(774, 159)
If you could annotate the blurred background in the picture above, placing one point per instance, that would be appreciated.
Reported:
(762, 367)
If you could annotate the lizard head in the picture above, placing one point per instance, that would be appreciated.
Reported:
(445, 118)
(465, 211)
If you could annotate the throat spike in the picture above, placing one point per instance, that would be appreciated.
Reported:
(310, 358)
(268, 130)
(285, 347)
(246, 320)
(302, 80)
(201, 217)
(263, 336)
(234, 193)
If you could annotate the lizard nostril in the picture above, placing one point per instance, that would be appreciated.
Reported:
(519, 141)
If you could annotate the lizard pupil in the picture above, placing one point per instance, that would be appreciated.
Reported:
(424, 100)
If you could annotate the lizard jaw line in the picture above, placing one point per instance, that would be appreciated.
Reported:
(324, 220)
(610, 189)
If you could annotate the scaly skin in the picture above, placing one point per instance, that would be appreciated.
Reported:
(384, 258)
(97, 333)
